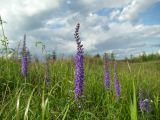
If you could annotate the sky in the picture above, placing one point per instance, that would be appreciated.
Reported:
(124, 27)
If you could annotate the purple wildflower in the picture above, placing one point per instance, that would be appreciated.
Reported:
(147, 105)
(24, 59)
(106, 72)
(144, 104)
(79, 59)
(116, 81)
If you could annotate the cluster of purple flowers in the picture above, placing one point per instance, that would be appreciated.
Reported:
(144, 104)
(107, 76)
(24, 59)
(79, 59)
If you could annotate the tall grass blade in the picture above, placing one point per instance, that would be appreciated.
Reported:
(27, 108)
(17, 106)
(133, 106)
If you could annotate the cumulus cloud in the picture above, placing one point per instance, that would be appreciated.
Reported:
(114, 14)
(105, 3)
(132, 10)
(53, 22)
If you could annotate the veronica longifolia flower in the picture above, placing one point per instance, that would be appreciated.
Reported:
(147, 105)
(79, 68)
(106, 72)
(116, 81)
(144, 104)
(24, 59)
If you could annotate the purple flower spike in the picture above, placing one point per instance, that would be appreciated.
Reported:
(24, 59)
(24, 66)
(116, 81)
(106, 72)
(79, 59)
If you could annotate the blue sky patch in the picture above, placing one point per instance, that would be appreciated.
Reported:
(151, 15)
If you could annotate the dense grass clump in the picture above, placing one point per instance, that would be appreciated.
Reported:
(33, 100)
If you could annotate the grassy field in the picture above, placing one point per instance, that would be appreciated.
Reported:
(31, 99)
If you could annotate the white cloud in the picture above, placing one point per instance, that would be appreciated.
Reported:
(27, 7)
(105, 3)
(114, 14)
(132, 10)
(98, 33)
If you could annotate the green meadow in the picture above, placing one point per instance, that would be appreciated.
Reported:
(32, 99)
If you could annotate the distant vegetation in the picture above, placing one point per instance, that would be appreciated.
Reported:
(144, 57)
